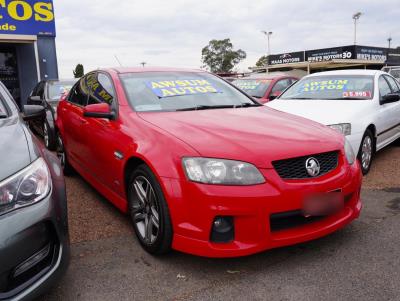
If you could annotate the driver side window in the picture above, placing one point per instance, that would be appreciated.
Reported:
(384, 87)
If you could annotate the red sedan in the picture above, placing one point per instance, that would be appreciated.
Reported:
(201, 167)
(265, 88)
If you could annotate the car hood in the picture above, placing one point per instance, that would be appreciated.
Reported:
(323, 111)
(14, 151)
(257, 135)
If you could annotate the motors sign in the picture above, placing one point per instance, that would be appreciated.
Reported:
(328, 54)
(371, 53)
(286, 58)
(29, 17)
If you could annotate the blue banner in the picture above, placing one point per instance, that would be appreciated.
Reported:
(28, 17)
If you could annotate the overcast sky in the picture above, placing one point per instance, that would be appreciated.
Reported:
(172, 33)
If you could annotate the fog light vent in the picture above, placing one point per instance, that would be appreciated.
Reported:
(223, 229)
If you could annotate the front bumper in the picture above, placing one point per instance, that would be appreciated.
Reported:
(193, 208)
(34, 246)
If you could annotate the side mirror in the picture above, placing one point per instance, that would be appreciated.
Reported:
(98, 110)
(33, 112)
(34, 100)
(275, 95)
(389, 98)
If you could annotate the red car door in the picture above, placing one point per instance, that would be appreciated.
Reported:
(74, 123)
(105, 144)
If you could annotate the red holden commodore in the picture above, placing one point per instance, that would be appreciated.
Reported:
(202, 168)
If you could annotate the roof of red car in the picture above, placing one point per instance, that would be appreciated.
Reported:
(151, 69)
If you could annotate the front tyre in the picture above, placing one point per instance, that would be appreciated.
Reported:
(62, 156)
(149, 211)
(50, 140)
(366, 152)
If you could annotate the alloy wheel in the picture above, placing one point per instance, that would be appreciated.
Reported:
(366, 152)
(145, 211)
(60, 151)
(46, 135)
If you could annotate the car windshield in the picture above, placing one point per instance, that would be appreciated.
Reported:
(253, 87)
(180, 91)
(56, 89)
(338, 87)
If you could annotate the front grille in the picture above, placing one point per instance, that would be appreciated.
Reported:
(290, 219)
(295, 168)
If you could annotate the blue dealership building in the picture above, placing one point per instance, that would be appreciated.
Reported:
(27, 45)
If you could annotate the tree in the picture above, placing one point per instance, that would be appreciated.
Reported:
(219, 56)
(262, 61)
(79, 71)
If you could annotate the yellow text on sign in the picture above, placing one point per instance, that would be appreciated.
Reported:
(22, 11)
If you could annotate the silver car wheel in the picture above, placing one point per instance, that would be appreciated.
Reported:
(145, 211)
(46, 134)
(366, 152)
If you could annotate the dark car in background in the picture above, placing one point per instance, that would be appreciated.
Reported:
(47, 94)
(264, 88)
(34, 241)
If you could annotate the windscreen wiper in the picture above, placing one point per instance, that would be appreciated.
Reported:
(204, 107)
(2, 115)
(248, 104)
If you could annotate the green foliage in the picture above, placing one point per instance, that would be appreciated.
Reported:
(219, 56)
(262, 61)
(79, 71)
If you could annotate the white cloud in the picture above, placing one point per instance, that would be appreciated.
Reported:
(172, 33)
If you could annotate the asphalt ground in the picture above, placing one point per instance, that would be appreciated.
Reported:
(360, 262)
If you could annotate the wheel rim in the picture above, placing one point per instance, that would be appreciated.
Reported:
(60, 151)
(144, 211)
(366, 152)
(46, 135)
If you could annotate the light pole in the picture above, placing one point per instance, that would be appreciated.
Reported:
(356, 16)
(268, 34)
(143, 64)
(389, 40)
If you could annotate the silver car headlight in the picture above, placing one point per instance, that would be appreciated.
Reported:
(222, 172)
(348, 149)
(26, 187)
(344, 128)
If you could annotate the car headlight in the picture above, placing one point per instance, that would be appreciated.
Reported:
(222, 172)
(26, 187)
(348, 149)
(344, 128)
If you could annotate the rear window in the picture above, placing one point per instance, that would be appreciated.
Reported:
(56, 89)
(338, 87)
(253, 87)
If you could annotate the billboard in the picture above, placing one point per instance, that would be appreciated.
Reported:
(27, 17)
(327, 54)
(286, 58)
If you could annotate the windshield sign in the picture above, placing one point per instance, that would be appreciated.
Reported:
(181, 87)
(180, 91)
(332, 87)
(253, 87)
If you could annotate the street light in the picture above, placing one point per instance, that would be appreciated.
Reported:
(268, 34)
(389, 40)
(143, 64)
(356, 16)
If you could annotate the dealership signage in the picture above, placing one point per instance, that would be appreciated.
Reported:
(365, 53)
(29, 17)
(286, 58)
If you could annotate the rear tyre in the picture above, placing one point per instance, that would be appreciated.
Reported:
(367, 151)
(62, 156)
(149, 211)
(50, 140)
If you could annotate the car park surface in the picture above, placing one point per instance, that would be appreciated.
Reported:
(34, 241)
(364, 105)
(359, 262)
(207, 199)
